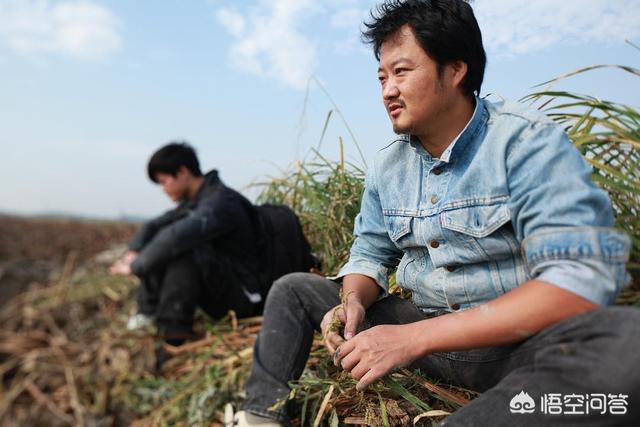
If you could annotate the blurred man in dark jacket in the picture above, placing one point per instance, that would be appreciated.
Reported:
(215, 250)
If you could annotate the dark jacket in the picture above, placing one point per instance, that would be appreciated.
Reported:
(234, 243)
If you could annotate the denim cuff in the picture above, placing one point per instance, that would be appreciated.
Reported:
(592, 280)
(604, 244)
(587, 261)
(377, 272)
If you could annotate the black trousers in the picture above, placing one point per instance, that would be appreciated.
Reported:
(582, 359)
(171, 294)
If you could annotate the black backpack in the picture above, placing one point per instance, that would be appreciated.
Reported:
(283, 246)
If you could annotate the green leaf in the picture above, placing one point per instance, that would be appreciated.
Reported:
(397, 388)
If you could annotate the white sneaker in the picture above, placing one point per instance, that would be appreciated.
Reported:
(246, 419)
(139, 321)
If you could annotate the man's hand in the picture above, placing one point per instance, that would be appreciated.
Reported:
(350, 314)
(122, 267)
(507, 319)
(375, 352)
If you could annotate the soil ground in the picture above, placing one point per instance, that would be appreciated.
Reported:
(34, 250)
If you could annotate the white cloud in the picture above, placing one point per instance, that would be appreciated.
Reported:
(348, 18)
(276, 38)
(233, 21)
(281, 39)
(269, 42)
(81, 29)
(514, 27)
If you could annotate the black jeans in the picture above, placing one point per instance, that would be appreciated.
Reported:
(172, 293)
(595, 352)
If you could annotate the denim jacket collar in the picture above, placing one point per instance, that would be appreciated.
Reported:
(475, 123)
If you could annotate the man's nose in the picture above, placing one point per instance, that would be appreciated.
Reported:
(390, 90)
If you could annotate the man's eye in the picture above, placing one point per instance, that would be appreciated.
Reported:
(400, 70)
(381, 79)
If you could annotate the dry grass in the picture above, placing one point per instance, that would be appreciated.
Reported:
(66, 359)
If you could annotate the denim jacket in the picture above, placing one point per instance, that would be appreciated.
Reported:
(509, 200)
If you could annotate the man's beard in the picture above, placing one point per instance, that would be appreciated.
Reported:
(398, 130)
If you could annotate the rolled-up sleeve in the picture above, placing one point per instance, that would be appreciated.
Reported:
(562, 219)
(587, 261)
(373, 253)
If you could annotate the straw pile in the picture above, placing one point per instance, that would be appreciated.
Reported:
(66, 359)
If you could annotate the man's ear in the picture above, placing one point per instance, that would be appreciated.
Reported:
(458, 70)
(182, 170)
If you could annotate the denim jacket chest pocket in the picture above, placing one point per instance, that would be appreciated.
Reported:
(402, 233)
(483, 232)
(399, 228)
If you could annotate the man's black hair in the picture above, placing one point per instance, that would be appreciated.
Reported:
(447, 30)
(170, 158)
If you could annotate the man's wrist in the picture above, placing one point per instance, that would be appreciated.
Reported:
(360, 289)
(131, 255)
(420, 338)
(351, 297)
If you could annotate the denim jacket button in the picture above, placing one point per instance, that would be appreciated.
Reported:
(434, 244)
(434, 199)
(455, 307)
(451, 268)
(436, 171)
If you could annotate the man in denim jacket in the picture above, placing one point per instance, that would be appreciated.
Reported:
(489, 215)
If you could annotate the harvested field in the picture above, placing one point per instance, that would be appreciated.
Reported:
(34, 250)
(66, 358)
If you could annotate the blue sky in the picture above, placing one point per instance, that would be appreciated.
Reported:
(89, 89)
